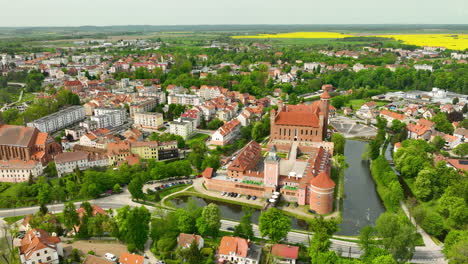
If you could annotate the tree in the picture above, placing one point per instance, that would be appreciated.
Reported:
(274, 224)
(136, 188)
(455, 246)
(339, 142)
(397, 126)
(438, 142)
(397, 235)
(461, 150)
(442, 124)
(323, 231)
(191, 255)
(117, 188)
(245, 229)
(70, 216)
(423, 184)
(386, 259)
(133, 225)
(215, 124)
(186, 223)
(365, 238)
(210, 221)
(455, 100)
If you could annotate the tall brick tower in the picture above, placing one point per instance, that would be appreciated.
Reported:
(271, 168)
(321, 193)
(324, 109)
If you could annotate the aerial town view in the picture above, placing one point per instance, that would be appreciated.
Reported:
(243, 132)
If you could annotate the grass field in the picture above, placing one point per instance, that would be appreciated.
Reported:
(357, 103)
(301, 35)
(197, 137)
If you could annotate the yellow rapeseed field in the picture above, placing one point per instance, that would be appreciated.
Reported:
(299, 35)
(450, 41)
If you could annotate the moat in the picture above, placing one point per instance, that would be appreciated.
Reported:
(361, 205)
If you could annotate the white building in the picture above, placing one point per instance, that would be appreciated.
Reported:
(185, 99)
(227, 133)
(38, 246)
(184, 127)
(109, 117)
(148, 120)
(67, 162)
(19, 170)
(209, 92)
(59, 120)
(423, 67)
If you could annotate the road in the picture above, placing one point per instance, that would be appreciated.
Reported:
(345, 248)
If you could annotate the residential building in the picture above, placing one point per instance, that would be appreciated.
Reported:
(226, 133)
(390, 116)
(284, 254)
(185, 99)
(148, 120)
(145, 106)
(67, 162)
(209, 92)
(19, 170)
(182, 127)
(424, 67)
(155, 150)
(185, 240)
(73, 86)
(239, 250)
(109, 117)
(38, 246)
(127, 258)
(422, 130)
(59, 120)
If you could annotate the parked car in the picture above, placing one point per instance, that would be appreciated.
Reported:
(248, 197)
(254, 198)
(312, 211)
(110, 257)
(296, 204)
(288, 204)
(223, 193)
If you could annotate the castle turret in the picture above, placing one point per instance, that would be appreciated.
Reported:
(321, 193)
(271, 177)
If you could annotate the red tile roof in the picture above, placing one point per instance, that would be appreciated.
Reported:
(239, 246)
(285, 251)
(323, 181)
(393, 115)
(127, 258)
(207, 173)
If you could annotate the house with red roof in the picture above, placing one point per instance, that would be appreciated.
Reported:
(225, 134)
(185, 240)
(38, 246)
(73, 86)
(390, 116)
(284, 254)
(128, 258)
(238, 250)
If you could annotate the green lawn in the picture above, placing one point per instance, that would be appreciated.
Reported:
(357, 103)
(197, 137)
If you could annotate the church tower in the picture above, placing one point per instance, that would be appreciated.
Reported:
(271, 174)
(324, 109)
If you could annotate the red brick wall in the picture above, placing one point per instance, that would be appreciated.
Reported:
(321, 200)
(302, 133)
(242, 188)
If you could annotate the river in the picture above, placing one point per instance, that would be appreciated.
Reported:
(361, 205)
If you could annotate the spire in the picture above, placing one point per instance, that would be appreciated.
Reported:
(325, 95)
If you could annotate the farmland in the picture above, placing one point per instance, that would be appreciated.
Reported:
(304, 35)
(450, 41)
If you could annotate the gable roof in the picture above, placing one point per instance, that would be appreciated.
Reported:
(285, 251)
(185, 240)
(36, 239)
(127, 258)
(238, 246)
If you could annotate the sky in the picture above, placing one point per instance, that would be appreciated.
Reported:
(19, 13)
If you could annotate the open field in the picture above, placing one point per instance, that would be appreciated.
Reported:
(100, 247)
(303, 35)
(357, 103)
(450, 41)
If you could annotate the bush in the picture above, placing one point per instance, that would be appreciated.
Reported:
(91, 252)
(206, 251)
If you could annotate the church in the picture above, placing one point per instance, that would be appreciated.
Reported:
(302, 176)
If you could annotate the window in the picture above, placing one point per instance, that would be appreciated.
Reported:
(49, 258)
(38, 254)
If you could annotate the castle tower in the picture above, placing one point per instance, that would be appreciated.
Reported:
(321, 193)
(271, 174)
(324, 109)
